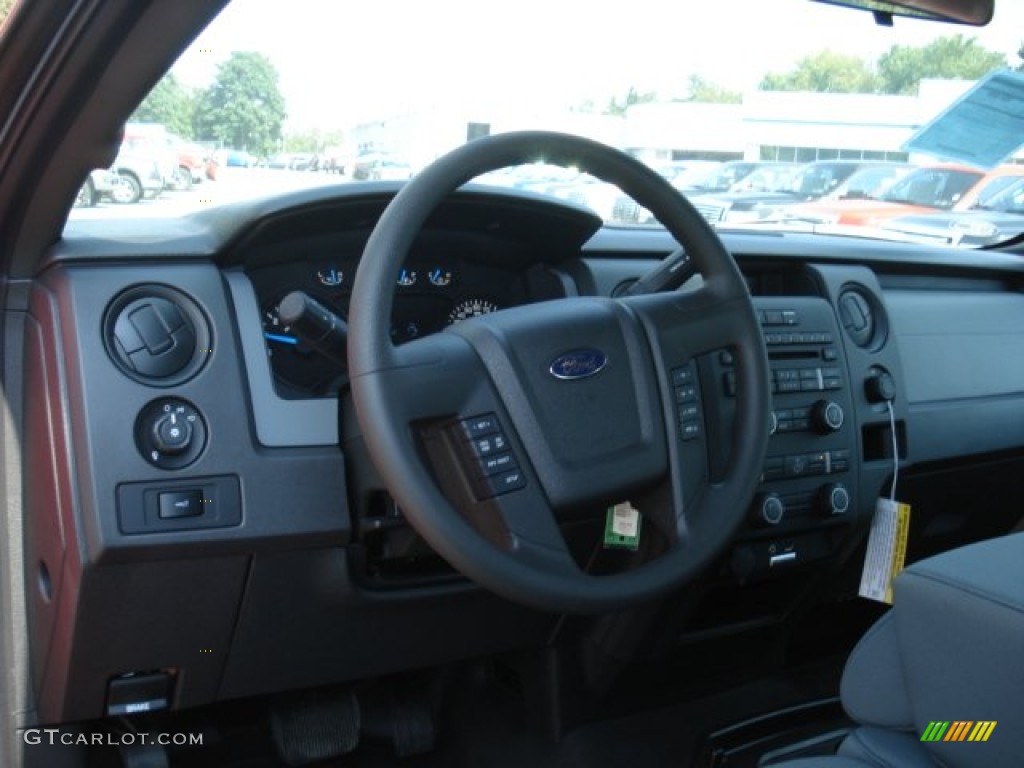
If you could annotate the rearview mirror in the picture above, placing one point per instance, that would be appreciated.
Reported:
(977, 13)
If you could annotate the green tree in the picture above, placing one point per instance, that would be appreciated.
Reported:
(902, 67)
(313, 141)
(704, 90)
(633, 96)
(5, 8)
(169, 103)
(243, 108)
(826, 72)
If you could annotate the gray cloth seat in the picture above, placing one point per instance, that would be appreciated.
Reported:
(950, 650)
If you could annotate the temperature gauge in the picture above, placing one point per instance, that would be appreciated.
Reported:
(330, 277)
(439, 277)
(407, 277)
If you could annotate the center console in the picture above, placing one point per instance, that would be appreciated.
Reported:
(808, 490)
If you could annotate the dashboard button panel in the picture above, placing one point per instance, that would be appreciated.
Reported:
(808, 469)
(179, 505)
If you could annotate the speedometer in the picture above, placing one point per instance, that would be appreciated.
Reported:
(470, 308)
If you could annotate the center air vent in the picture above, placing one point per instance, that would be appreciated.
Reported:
(156, 334)
(862, 317)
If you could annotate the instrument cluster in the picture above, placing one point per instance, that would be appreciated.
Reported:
(430, 294)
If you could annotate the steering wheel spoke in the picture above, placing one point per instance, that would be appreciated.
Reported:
(436, 377)
(687, 325)
(534, 537)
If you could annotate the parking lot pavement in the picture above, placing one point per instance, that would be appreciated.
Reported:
(232, 184)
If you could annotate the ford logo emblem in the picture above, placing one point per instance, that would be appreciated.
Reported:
(578, 364)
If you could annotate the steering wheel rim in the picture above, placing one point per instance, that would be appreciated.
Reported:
(469, 366)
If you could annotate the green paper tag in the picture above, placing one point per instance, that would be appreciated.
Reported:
(622, 527)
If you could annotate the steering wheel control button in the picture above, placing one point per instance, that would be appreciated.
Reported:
(485, 446)
(506, 482)
(170, 433)
(479, 426)
(175, 504)
(684, 384)
(495, 465)
(691, 430)
(156, 335)
(487, 455)
(683, 376)
(686, 394)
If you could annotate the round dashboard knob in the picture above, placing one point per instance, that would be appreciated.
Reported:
(880, 387)
(172, 434)
(827, 416)
(769, 509)
(833, 499)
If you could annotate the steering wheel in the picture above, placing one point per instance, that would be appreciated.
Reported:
(490, 432)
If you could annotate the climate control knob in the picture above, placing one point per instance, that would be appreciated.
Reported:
(769, 509)
(832, 500)
(827, 416)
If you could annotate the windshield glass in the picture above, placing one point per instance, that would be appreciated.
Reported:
(265, 102)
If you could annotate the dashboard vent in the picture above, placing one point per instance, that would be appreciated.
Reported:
(861, 317)
(156, 335)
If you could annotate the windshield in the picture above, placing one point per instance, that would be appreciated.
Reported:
(265, 102)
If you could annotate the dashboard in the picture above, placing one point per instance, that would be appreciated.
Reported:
(174, 331)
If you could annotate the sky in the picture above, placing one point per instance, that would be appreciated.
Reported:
(343, 62)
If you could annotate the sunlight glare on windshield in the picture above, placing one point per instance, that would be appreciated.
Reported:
(265, 102)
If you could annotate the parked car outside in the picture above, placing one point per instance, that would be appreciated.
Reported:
(154, 139)
(813, 181)
(999, 218)
(192, 162)
(380, 167)
(937, 187)
(685, 175)
(142, 173)
(99, 185)
(235, 158)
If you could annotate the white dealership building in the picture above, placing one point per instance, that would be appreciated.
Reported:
(765, 126)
